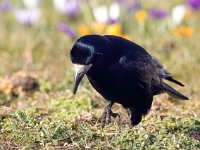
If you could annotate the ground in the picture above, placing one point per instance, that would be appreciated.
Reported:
(51, 117)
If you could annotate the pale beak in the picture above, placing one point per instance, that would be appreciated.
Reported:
(80, 71)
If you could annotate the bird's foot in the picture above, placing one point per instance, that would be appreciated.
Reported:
(105, 118)
(136, 118)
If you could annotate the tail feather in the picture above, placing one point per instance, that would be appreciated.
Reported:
(172, 92)
(175, 81)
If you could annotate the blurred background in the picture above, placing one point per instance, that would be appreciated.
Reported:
(36, 37)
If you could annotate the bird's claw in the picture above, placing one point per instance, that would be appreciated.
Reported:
(105, 118)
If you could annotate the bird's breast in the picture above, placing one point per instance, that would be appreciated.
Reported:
(117, 86)
(104, 85)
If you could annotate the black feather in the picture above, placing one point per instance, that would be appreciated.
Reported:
(174, 81)
(172, 92)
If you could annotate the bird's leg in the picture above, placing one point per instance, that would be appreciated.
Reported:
(111, 114)
(106, 116)
(136, 117)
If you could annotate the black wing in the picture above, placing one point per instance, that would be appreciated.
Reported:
(143, 68)
(136, 60)
(164, 73)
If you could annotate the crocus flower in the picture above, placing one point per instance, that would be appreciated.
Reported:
(158, 13)
(84, 29)
(194, 4)
(101, 14)
(68, 7)
(94, 28)
(134, 6)
(97, 27)
(104, 14)
(126, 36)
(186, 31)
(119, 1)
(114, 29)
(27, 17)
(178, 13)
(31, 3)
(114, 11)
(5, 6)
(141, 16)
(183, 31)
(67, 30)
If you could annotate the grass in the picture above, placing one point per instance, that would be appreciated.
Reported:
(53, 118)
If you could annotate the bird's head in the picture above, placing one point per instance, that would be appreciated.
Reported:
(83, 55)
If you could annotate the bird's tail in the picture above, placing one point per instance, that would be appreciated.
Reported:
(175, 81)
(172, 92)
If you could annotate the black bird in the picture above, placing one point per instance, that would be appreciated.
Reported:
(122, 72)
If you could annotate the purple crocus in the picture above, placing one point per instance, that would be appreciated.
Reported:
(5, 6)
(119, 1)
(67, 30)
(27, 17)
(194, 4)
(158, 13)
(68, 7)
(112, 21)
(132, 7)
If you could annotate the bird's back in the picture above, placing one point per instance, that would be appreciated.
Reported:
(123, 47)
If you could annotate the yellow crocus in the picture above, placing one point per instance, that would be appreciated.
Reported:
(114, 29)
(84, 30)
(98, 27)
(183, 31)
(126, 36)
(141, 16)
(186, 31)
